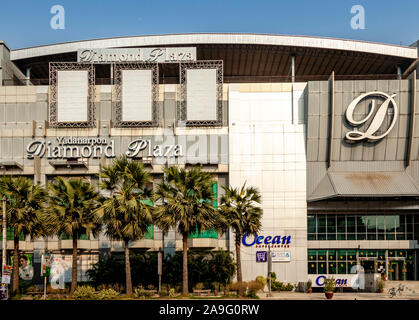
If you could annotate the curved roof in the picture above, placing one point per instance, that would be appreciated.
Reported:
(219, 38)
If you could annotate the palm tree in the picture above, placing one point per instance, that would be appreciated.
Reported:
(71, 211)
(24, 200)
(188, 207)
(127, 213)
(239, 211)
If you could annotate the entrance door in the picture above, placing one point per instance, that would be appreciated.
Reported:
(368, 265)
(397, 270)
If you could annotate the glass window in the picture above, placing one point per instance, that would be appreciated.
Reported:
(331, 224)
(350, 236)
(342, 267)
(321, 255)
(321, 236)
(341, 236)
(350, 224)
(312, 255)
(332, 255)
(321, 267)
(312, 268)
(311, 236)
(392, 253)
(401, 224)
(341, 224)
(361, 224)
(372, 253)
(371, 227)
(331, 236)
(362, 253)
(341, 255)
(409, 223)
(390, 223)
(381, 254)
(351, 255)
(332, 268)
(311, 224)
(321, 224)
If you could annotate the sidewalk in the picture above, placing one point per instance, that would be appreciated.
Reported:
(337, 296)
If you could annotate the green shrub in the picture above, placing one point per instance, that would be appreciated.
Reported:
(261, 280)
(236, 286)
(172, 293)
(107, 294)
(140, 293)
(199, 286)
(309, 284)
(84, 293)
(329, 285)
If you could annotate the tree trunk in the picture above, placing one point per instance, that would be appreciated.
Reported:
(239, 265)
(185, 289)
(15, 265)
(74, 265)
(128, 280)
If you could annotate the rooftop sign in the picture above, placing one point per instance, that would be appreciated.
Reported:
(161, 55)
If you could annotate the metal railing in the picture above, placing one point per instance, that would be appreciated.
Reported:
(228, 79)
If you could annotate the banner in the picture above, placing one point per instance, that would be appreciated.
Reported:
(25, 266)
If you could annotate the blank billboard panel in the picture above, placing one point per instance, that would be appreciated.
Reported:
(136, 92)
(72, 96)
(201, 94)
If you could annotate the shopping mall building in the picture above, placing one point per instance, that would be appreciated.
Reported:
(326, 129)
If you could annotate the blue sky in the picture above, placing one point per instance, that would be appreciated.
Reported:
(25, 23)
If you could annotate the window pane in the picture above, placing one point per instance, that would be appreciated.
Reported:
(372, 227)
(321, 255)
(341, 223)
(311, 236)
(351, 255)
(341, 255)
(350, 224)
(390, 236)
(381, 255)
(341, 236)
(331, 236)
(312, 255)
(409, 223)
(321, 224)
(312, 268)
(321, 236)
(342, 267)
(390, 223)
(321, 268)
(332, 255)
(361, 224)
(331, 224)
(311, 224)
(332, 268)
(401, 224)
(350, 236)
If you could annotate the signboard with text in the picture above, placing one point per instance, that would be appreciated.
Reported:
(160, 55)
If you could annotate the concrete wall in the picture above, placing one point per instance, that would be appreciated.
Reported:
(268, 151)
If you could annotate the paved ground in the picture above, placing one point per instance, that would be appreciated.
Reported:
(338, 296)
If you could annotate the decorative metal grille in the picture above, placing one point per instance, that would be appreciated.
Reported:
(202, 64)
(54, 67)
(118, 67)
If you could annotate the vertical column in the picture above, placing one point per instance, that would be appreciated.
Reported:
(331, 116)
(412, 82)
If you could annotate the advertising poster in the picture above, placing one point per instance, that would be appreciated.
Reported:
(25, 266)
